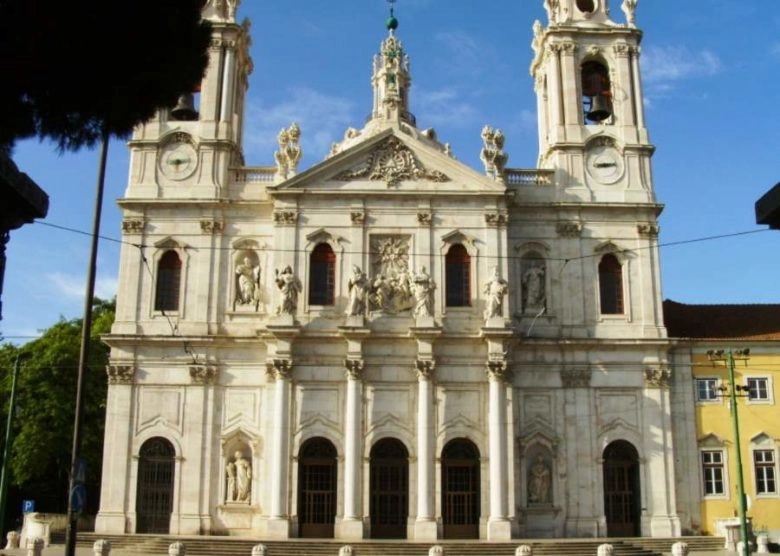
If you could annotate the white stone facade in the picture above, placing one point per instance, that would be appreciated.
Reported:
(285, 333)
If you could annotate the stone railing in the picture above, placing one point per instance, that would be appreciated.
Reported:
(257, 174)
(517, 176)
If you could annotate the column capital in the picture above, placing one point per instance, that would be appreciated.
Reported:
(498, 370)
(120, 374)
(353, 368)
(279, 369)
(575, 378)
(424, 368)
(658, 377)
(204, 374)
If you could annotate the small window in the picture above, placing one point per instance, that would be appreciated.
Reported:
(758, 389)
(586, 6)
(764, 462)
(168, 282)
(322, 275)
(458, 270)
(707, 389)
(713, 472)
(611, 285)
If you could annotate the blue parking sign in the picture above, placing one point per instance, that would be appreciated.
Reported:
(28, 506)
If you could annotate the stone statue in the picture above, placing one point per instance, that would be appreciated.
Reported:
(289, 154)
(423, 287)
(533, 287)
(289, 288)
(492, 155)
(495, 289)
(357, 286)
(230, 491)
(629, 8)
(380, 292)
(247, 282)
(243, 478)
(536, 43)
(539, 482)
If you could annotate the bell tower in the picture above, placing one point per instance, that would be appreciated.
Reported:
(186, 151)
(590, 104)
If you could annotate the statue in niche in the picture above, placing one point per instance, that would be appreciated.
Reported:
(495, 289)
(423, 286)
(380, 293)
(247, 283)
(539, 482)
(358, 290)
(243, 478)
(289, 288)
(533, 286)
(230, 490)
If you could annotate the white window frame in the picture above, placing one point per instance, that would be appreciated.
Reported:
(716, 380)
(769, 399)
(724, 494)
(770, 466)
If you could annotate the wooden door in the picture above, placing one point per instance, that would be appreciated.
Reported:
(389, 495)
(317, 488)
(460, 490)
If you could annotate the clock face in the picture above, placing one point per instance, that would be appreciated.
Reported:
(604, 164)
(178, 160)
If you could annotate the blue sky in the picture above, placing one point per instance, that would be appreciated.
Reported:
(711, 73)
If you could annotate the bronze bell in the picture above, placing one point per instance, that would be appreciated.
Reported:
(600, 108)
(185, 108)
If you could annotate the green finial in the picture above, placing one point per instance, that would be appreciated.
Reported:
(392, 22)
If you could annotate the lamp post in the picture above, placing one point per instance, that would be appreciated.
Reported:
(7, 445)
(729, 356)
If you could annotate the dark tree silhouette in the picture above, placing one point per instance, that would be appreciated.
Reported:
(71, 67)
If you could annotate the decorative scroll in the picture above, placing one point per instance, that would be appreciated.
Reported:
(392, 162)
(280, 369)
(424, 368)
(133, 226)
(353, 368)
(659, 377)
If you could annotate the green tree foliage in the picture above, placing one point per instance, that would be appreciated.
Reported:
(45, 406)
(69, 68)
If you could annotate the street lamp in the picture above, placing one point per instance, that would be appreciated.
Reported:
(728, 357)
(7, 445)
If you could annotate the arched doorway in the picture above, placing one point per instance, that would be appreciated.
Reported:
(389, 502)
(317, 475)
(154, 493)
(460, 489)
(621, 489)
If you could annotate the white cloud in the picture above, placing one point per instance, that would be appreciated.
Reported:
(322, 118)
(73, 286)
(443, 107)
(664, 64)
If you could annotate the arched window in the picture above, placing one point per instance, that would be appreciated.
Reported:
(611, 285)
(166, 296)
(458, 271)
(322, 275)
(596, 92)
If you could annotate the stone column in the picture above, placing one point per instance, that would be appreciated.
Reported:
(352, 525)
(555, 88)
(499, 526)
(572, 101)
(278, 519)
(637, 87)
(425, 527)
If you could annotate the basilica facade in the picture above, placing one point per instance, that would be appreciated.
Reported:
(392, 344)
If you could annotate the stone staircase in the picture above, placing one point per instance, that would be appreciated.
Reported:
(157, 545)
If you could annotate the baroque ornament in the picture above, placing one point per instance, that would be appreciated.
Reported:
(133, 226)
(202, 374)
(659, 377)
(353, 368)
(120, 374)
(424, 368)
(392, 162)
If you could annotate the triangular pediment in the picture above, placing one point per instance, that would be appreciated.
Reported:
(391, 160)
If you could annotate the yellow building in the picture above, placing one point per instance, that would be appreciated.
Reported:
(705, 436)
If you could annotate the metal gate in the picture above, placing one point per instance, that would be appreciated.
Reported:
(621, 489)
(154, 494)
(317, 488)
(389, 502)
(460, 490)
